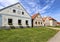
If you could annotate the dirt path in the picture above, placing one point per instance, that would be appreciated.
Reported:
(54, 28)
(56, 38)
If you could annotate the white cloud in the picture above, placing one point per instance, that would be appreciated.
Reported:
(37, 7)
(43, 10)
(47, 1)
(32, 5)
(1, 7)
(7, 2)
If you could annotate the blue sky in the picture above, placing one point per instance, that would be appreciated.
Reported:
(44, 7)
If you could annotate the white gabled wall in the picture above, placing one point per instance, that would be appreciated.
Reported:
(8, 13)
(15, 20)
(38, 19)
(19, 9)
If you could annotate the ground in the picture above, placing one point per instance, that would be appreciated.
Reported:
(41, 34)
(55, 38)
(55, 26)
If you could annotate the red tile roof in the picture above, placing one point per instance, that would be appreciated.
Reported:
(35, 15)
(44, 19)
(58, 22)
(50, 18)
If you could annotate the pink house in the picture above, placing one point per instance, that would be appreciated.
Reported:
(49, 21)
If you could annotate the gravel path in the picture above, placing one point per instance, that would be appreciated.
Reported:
(56, 38)
(54, 28)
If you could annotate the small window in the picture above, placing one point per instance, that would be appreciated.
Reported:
(38, 22)
(14, 11)
(19, 22)
(18, 6)
(22, 13)
(10, 21)
(26, 22)
(35, 22)
(41, 22)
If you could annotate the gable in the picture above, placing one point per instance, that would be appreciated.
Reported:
(38, 16)
(19, 9)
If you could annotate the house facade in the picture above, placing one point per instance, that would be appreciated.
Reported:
(14, 15)
(49, 21)
(37, 20)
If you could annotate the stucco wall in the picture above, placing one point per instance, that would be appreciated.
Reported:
(19, 9)
(8, 13)
(50, 22)
(0, 20)
(15, 20)
(47, 23)
(38, 19)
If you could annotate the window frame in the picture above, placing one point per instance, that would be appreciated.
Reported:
(26, 22)
(10, 22)
(36, 22)
(19, 22)
(22, 13)
(14, 11)
(41, 22)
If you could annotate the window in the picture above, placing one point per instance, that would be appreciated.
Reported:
(22, 13)
(35, 22)
(26, 22)
(19, 22)
(38, 22)
(10, 21)
(41, 22)
(14, 11)
(18, 6)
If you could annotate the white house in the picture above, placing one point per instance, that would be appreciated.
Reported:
(14, 15)
(37, 20)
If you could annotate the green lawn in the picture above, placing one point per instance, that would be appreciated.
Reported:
(27, 35)
(57, 26)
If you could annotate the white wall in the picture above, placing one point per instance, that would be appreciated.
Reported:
(38, 19)
(15, 20)
(8, 13)
(0, 20)
(19, 9)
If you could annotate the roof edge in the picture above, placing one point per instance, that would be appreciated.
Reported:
(9, 6)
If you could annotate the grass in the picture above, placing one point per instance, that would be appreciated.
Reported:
(57, 26)
(27, 35)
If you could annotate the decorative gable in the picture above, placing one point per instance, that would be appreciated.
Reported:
(36, 16)
(15, 9)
